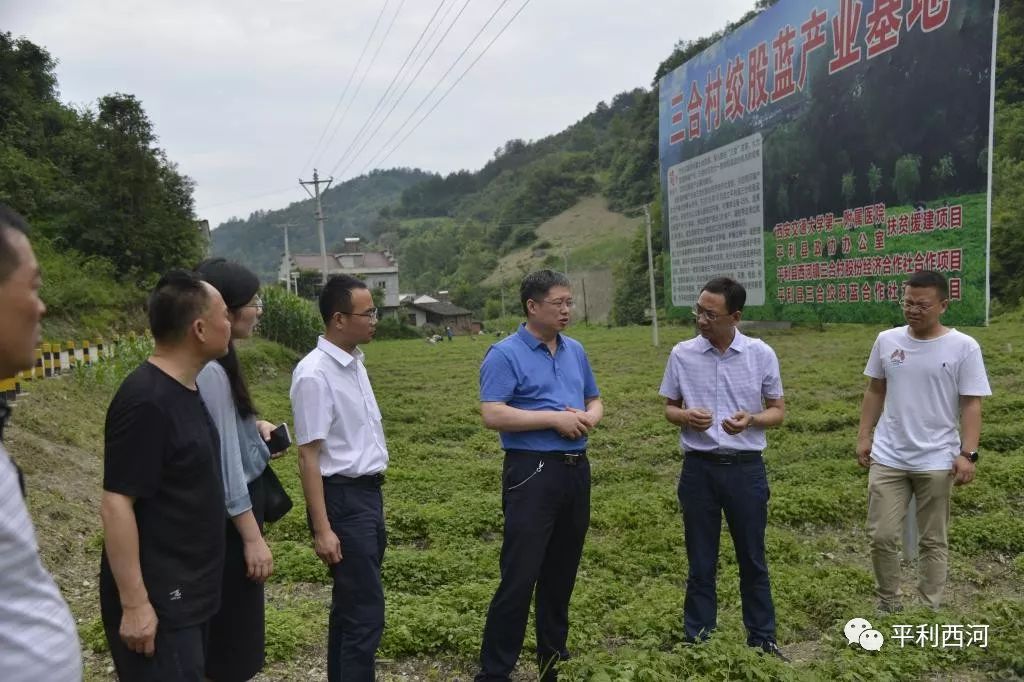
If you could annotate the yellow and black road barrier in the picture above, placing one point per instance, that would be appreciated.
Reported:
(54, 359)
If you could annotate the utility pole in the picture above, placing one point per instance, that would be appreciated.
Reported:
(650, 276)
(565, 261)
(586, 318)
(501, 274)
(287, 257)
(316, 181)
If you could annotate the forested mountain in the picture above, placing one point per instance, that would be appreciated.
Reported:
(112, 208)
(349, 209)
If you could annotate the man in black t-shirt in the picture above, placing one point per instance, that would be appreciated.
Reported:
(163, 502)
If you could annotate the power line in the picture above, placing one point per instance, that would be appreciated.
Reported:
(351, 75)
(450, 88)
(439, 80)
(247, 198)
(359, 87)
(387, 92)
(416, 75)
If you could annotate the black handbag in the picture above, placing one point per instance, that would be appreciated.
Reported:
(276, 502)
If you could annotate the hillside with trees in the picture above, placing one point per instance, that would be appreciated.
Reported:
(109, 206)
(350, 209)
(109, 209)
(452, 231)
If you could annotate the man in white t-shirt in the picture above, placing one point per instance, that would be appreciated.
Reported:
(925, 378)
(37, 634)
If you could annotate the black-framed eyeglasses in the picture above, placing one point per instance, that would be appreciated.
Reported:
(915, 307)
(256, 303)
(708, 315)
(561, 303)
(372, 313)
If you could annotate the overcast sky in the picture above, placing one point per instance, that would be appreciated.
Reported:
(240, 91)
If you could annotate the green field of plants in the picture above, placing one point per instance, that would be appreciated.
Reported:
(442, 503)
(443, 510)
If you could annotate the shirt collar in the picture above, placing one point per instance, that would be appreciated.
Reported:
(739, 342)
(531, 341)
(340, 355)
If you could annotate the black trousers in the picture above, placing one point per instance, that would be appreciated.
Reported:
(546, 503)
(739, 490)
(180, 655)
(355, 509)
(237, 632)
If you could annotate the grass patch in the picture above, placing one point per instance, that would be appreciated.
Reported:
(442, 503)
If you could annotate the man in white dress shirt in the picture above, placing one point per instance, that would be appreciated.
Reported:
(342, 458)
(37, 634)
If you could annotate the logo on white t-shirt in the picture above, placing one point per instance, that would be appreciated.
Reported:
(897, 357)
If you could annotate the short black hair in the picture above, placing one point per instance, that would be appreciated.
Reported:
(735, 294)
(536, 285)
(9, 218)
(175, 303)
(336, 296)
(930, 279)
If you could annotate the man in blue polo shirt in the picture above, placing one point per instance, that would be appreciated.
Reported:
(538, 391)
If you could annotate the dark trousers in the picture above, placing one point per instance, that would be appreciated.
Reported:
(546, 503)
(706, 489)
(180, 655)
(356, 511)
(237, 641)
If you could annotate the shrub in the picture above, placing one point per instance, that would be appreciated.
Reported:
(393, 328)
(289, 320)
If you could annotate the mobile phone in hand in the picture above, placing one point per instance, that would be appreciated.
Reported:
(280, 439)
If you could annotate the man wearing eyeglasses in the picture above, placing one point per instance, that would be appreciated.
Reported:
(723, 390)
(538, 391)
(342, 458)
(924, 380)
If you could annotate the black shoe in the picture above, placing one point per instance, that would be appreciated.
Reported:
(773, 649)
(889, 608)
(548, 668)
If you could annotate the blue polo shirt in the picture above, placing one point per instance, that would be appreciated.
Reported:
(521, 372)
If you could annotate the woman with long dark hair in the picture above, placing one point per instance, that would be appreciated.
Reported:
(237, 638)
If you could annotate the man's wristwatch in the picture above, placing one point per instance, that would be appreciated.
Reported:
(972, 455)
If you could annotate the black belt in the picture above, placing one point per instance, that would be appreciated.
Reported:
(369, 481)
(570, 458)
(726, 457)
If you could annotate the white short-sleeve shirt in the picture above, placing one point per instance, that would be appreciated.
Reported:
(38, 640)
(332, 401)
(725, 383)
(924, 379)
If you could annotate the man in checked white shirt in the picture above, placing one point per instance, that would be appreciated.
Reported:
(37, 634)
(342, 458)
(722, 390)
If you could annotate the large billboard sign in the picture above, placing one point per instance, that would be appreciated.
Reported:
(822, 152)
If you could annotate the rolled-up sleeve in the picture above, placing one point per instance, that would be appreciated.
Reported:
(216, 393)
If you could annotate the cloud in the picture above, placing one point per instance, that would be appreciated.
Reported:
(240, 92)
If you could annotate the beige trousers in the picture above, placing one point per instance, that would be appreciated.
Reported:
(889, 492)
